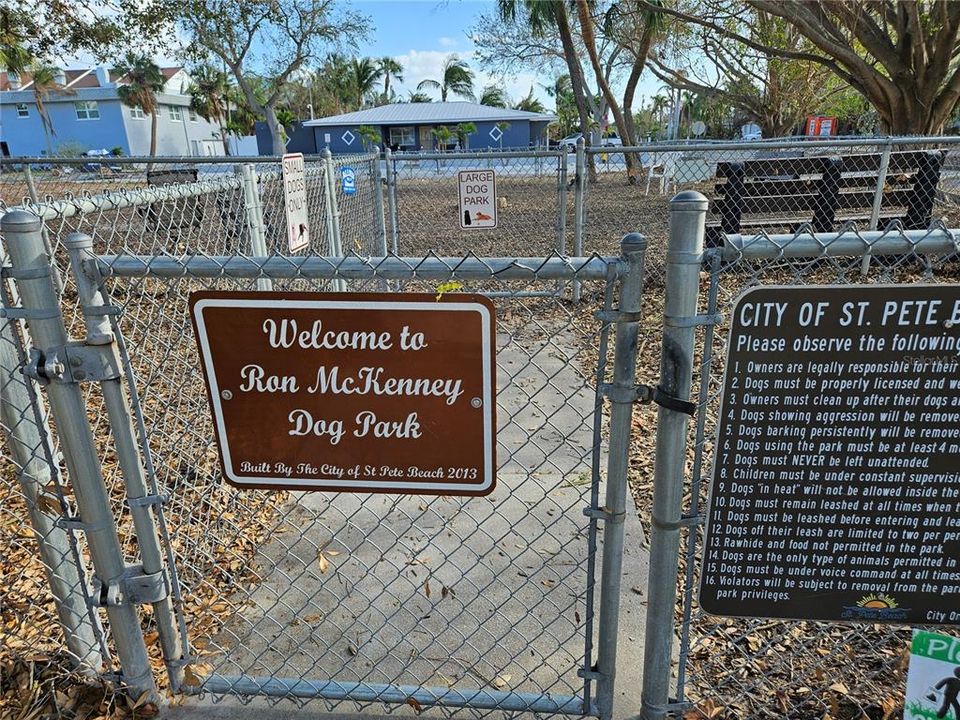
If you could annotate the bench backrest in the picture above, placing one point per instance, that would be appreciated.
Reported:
(790, 191)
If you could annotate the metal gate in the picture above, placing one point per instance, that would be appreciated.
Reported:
(494, 603)
(754, 668)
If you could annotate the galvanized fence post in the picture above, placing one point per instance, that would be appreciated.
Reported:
(878, 199)
(142, 500)
(377, 183)
(621, 393)
(391, 171)
(69, 409)
(334, 249)
(254, 212)
(688, 212)
(35, 199)
(579, 208)
(28, 437)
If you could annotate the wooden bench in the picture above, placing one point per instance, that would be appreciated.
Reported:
(781, 194)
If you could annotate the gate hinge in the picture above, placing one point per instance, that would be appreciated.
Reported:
(693, 320)
(604, 514)
(73, 363)
(625, 395)
(685, 521)
(134, 586)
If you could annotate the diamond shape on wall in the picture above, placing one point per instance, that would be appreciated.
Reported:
(348, 137)
(496, 133)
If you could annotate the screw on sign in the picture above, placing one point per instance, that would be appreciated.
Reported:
(478, 199)
(295, 201)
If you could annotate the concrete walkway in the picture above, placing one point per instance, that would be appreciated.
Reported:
(484, 593)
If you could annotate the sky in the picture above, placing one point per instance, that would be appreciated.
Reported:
(422, 33)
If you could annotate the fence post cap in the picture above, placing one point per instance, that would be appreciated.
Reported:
(78, 240)
(689, 200)
(19, 221)
(633, 243)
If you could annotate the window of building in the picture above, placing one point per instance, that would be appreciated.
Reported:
(87, 110)
(403, 137)
(193, 115)
(136, 112)
(23, 110)
(176, 113)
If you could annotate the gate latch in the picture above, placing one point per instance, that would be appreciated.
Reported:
(646, 394)
(134, 586)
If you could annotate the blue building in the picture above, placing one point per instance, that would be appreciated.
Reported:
(86, 114)
(410, 126)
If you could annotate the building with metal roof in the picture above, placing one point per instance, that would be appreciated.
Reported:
(415, 126)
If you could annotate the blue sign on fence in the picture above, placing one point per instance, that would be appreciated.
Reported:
(348, 180)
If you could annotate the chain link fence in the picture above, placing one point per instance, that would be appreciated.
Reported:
(283, 584)
(736, 669)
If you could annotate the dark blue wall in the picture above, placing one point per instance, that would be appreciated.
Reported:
(299, 139)
(517, 135)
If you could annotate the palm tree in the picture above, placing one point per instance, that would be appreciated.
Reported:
(464, 131)
(530, 103)
(390, 69)
(208, 98)
(419, 97)
(457, 79)
(44, 84)
(494, 96)
(142, 81)
(364, 74)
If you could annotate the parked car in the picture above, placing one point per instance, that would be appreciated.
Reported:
(569, 143)
(611, 141)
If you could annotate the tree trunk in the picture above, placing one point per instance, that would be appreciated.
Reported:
(226, 140)
(276, 134)
(629, 92)
(577, 83)
(589, 39)
(153, 137)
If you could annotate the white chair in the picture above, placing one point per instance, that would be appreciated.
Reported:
(661, 167)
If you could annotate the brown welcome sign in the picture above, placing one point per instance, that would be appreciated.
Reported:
(355, 392)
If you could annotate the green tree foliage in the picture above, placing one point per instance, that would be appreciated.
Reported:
(208, 98)
(363, 78)
(141, 82)
(456, 79)
(464, 131)
(529, 103)
(494, 96)
(390, 69)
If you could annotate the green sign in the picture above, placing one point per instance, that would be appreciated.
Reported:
(933, 683)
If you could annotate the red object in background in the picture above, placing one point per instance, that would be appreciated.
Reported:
(821, 126)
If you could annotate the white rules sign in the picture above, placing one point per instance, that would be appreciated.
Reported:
(478, 199)
(295, 201)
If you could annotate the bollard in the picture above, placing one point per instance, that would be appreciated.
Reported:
(688, 212)
(69, 410)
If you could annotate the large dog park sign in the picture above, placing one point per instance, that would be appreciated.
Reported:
(836, 484)
(351, 392)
